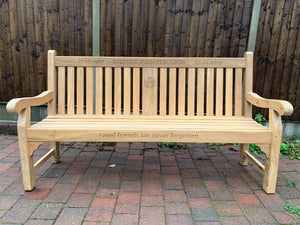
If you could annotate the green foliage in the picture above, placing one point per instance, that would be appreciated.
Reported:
(218, 144)
(259, 118)
(284, 148)
(291, 147)
(109, 144)
(289, 184)
(291, 208)
(174, 145)
(255, 149)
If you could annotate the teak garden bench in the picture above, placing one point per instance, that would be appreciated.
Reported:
(136, 99)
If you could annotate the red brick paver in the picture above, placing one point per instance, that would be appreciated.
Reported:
(146, 185)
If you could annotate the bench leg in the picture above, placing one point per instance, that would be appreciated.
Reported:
(26, 165)
(56, 157)
(271, 167)
(26, 156)
(243, 158)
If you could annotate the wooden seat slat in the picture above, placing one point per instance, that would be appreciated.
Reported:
(175, 117)
(151, 120)
(146, 126)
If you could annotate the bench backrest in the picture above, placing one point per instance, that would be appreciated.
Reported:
(156, 86)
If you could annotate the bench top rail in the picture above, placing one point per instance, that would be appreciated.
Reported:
(149, 62)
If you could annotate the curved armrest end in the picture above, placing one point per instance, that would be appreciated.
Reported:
(288, 108)
(16, 105)
(283, 108)
(11, 106)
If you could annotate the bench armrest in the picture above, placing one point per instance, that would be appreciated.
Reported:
(283, 108)
(16, 105)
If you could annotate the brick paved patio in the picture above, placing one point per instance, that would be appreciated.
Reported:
(140, 183)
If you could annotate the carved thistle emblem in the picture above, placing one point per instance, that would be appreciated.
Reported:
(149, 82)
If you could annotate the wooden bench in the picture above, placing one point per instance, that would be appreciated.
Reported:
(131, 99)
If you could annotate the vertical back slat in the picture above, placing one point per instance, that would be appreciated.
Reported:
(200, 92)
(89, 90)
(70, 93)
(228, 89)
(168, 91)
(117, 91)
(80, 90)
(99, 90)
(219, 92)
(61, 92)
(238, 92)
(127, 90)
(191, 92)
(181, 91)
(210, 92)
(172, 91)
(163, 92)
(108, 91)
(52, 81)
(136, 92)
(248, 82)
(149, 99)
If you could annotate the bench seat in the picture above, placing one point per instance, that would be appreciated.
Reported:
(162, 129)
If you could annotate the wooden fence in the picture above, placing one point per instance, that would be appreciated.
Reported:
(28, 30)
(150, 28)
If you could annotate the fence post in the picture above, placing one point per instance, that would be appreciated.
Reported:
(253, 25)
(96, 40)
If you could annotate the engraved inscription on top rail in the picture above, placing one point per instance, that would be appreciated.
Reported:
(89, 61)
(130, 62)
(144, 62)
